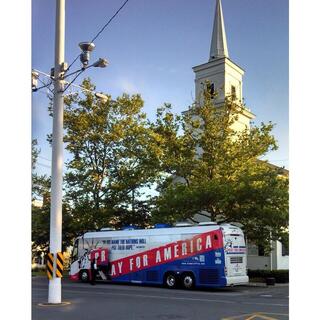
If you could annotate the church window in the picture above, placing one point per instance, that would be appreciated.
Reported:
(233, 92)
(210, 88)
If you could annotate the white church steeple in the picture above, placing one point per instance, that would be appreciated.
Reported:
(219, 47)
(224, 76)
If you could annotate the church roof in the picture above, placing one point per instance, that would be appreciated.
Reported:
(219, 47)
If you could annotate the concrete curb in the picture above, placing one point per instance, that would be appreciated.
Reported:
(262, 284)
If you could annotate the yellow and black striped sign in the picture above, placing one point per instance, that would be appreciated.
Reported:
(59, 269)
(50, 260)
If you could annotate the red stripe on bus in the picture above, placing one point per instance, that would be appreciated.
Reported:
(181, 249)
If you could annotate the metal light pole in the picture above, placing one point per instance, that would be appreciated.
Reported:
(54, 295)
(59, 75)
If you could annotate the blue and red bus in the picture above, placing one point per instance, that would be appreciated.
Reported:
(204, 255)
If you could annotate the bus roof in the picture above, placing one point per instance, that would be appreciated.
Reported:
(160, 231)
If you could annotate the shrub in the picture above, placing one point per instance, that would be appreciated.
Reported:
(281, 276)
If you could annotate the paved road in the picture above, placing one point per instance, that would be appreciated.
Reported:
(133, 302)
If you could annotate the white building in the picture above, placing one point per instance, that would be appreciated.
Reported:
(225, 77)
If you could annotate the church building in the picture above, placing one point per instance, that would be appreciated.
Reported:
(225, 78)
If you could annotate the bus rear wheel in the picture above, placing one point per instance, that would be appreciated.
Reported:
(187, 281)
(84, 275)
(170, 280)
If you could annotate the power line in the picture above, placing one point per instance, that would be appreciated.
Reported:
(44, 158)
(45, 85)
(102, 29)
(72, 84)
(109, 21)
(80, 72)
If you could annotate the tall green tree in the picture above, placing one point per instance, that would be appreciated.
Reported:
(114, 155)
(224, 179)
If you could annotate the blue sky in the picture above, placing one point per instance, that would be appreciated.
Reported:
(153, 45)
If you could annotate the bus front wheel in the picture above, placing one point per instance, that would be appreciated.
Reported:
(84, 275)
(170, 280)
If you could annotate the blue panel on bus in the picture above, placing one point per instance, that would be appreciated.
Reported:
(208, 269)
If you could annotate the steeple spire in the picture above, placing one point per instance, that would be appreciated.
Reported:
(219, 48)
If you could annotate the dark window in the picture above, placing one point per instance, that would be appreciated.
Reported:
(210, 88)
(261, 251)
(233, 92)
(285, 250)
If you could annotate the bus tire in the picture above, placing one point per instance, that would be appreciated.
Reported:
(188, 280)
(170, 280)
(84, 275)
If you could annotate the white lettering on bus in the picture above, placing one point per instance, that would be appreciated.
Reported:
(103, 256)
(138, 262)
(199, 246)
(145, 260)
(184, 248)
(131, 263)
(158, 256)
(120, 266)
(191, 246)
(208, 242)
(167, 253)
(113, 270)
(176, 254)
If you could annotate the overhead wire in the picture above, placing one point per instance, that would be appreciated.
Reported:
(70, 83)
(101, 30)
(45, 85)
(44, 158)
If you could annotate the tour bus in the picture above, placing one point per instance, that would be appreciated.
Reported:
(203, 255)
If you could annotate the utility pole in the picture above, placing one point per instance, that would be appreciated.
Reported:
(54, 295)
(59, 75)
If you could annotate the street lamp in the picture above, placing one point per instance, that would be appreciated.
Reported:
(101, 96)
(101, 63)
(34, 79)
(86, 48)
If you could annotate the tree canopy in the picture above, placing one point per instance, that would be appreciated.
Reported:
(114, 156)
(201, 165)
(224, 179)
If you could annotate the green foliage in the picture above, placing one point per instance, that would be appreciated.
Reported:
(224, 179)
(41, 227)
(40, 215)
(35, 153)
(201, 165)
(114, 155)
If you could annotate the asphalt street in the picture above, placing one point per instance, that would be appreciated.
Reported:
(133, 302)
